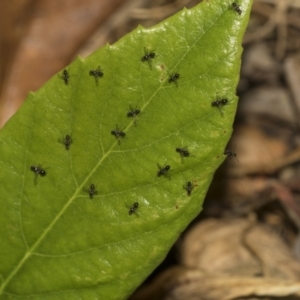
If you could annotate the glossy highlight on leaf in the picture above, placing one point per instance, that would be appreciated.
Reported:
(59, 241)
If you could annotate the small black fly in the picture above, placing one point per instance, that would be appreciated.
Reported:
(91, 191)
(118, 133)
(148, 56)
(67, 141)
(38, 171)
(230, 154)
(133, 208)
(65, 76)
(189, 187)
(163, 170)
(237, 8)
(97, 73)
(133, 112)
(219, 102)
(183, 152)
(174, 78)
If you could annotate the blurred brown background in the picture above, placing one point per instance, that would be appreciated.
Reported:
(245, 244)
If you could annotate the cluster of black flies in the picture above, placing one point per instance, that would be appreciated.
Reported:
(132, 113)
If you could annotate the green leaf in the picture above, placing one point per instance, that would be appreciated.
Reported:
(56, 242)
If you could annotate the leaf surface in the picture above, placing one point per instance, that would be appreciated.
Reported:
(62, 239)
